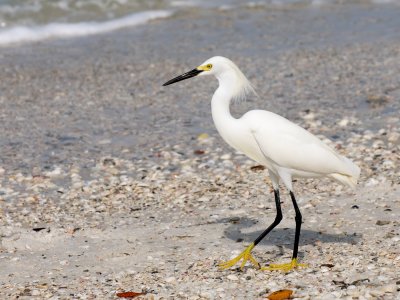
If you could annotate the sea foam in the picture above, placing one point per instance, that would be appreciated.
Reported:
(20, 34)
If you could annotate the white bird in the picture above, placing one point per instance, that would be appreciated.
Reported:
(284, 148)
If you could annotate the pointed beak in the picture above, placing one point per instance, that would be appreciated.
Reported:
(187, 75)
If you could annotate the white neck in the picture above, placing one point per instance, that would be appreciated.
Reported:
(220, 104)
(232, 84)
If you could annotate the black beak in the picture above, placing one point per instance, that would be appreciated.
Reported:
(187, 75)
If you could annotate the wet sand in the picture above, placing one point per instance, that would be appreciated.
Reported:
(101, 160)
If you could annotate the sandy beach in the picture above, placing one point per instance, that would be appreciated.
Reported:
(110, 182)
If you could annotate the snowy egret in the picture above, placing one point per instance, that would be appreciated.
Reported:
(284, 148)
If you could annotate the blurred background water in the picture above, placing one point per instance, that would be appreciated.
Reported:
(72, 101)
(33, 20)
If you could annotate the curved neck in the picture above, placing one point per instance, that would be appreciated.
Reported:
(220, 105)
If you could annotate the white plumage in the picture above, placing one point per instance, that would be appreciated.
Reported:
(286, 149)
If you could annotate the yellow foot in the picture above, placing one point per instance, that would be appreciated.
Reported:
(284, 267)
(245, 255)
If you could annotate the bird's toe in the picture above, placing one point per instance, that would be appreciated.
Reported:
(245, 256)
(284, 267)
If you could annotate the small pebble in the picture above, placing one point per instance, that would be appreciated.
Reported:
(232, 277)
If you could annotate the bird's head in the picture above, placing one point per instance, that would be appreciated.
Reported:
(224, 70)
(212, 66)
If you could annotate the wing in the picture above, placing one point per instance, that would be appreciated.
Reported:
(290, 146)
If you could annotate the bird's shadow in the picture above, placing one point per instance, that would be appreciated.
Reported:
(282, 236)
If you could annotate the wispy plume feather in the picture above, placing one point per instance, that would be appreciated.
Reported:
(244, 88)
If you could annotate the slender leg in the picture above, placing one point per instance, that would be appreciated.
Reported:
(246, 254)
(298, 219)
(293, 264)
(278, 219)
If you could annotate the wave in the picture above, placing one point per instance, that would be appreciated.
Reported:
(21, 34)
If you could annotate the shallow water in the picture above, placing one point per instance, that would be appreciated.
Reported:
(34, 20)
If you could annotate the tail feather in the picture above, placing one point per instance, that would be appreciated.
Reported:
(351, 177)
(350, 181)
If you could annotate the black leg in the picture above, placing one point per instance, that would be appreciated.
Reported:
(293, 264)
(298, 219)
(246, 254)
(277, 220)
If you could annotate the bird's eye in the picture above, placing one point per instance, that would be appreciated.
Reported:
(209, 66)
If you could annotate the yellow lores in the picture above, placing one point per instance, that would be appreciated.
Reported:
(284, 148)
(206, 67)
